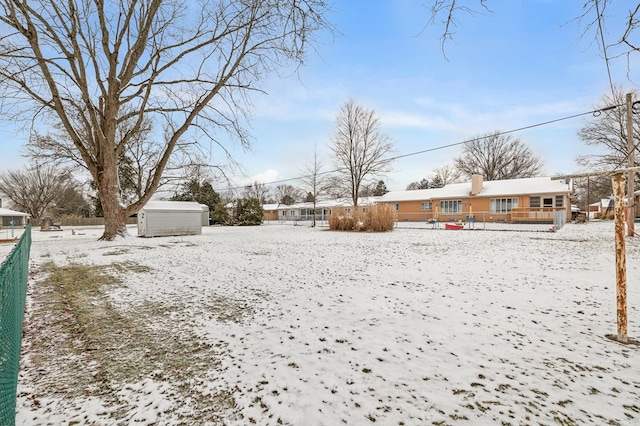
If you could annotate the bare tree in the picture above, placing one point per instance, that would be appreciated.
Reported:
(446, 13)
(445, 175)
(361, 151)
(258, 191)
(632, 24)
(592, 189)
(335, 187)
(287, 194)
(34, 189)
(103, 70)
(607, 132)
(497, 156)
(314, 180)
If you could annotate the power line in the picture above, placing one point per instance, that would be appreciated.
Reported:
(600, 18)
(595, 113)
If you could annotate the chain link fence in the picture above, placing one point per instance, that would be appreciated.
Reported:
(14, 273)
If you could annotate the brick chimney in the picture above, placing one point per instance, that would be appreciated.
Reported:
(476, 184)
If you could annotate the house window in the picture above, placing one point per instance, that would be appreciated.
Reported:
(426, 205)
(284, 212)
(559, 200)
(396, 206)
(547, 202)
(451, 206)
(503, 205)
(534, 202)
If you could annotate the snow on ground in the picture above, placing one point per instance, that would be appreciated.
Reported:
(311, 327)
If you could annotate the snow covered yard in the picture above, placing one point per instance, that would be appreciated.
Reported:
(292, 325)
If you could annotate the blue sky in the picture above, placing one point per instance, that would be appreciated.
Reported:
(522, 64)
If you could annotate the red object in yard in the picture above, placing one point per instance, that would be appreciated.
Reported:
(452, 226)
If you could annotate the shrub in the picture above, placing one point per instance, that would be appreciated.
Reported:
(248, 212)
(220, 215)
(341, 220)
(377, 218)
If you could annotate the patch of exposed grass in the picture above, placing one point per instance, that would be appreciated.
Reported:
(116, 252)
(98, 346)
(226, 309)
(129, 266)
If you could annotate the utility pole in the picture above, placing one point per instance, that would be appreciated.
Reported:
(618, 181)
(621, 257)
(631, 146)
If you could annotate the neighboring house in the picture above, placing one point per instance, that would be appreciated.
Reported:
(9, 218)
(599, 208)
(515, 200)
(304, 211)
(270, 211)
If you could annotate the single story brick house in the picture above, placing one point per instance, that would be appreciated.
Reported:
(270, 211)
(527, 200)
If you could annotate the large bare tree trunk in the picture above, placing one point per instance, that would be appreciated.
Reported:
(115, 214)
(115, 223)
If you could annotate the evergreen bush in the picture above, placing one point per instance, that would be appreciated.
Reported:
(248, 212)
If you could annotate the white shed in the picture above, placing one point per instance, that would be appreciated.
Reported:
(165, 218)
(205, 214)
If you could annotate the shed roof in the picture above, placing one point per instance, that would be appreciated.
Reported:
(495, 188)
(7, 212)
(172, 206)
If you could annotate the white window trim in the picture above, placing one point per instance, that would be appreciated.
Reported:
(451, 207)
(493, 204)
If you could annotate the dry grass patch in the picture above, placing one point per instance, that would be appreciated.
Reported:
(376, 218)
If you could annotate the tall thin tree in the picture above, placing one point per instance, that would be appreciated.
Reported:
(361, 151)
(315, 180)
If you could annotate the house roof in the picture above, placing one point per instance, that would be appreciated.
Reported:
(172, 206)
(495, 188)
(270, 207)
(7, 212)
(327, 203)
